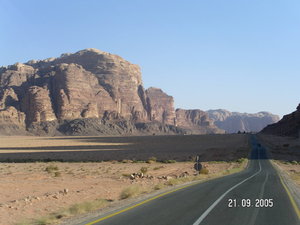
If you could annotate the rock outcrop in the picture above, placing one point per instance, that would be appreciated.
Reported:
(160, 106)
(196, 120)
(233, 122)
(89, 92)
(12, 122)
(289, 125)
(115, 82)
(37, 105)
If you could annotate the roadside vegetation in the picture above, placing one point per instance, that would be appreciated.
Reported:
(290, 168)
(136, 188)
(74, 210)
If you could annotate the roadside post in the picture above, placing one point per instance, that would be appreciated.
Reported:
(197, 165)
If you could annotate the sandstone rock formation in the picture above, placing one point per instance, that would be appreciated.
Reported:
(197, 120)
(160, 106)
(89, 92)
(118, 83)
(233, 122)
(289, 125)
(37, 105)
(12, 120)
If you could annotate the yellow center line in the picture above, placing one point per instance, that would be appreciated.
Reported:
(141, 203)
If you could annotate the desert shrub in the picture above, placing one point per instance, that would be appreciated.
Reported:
(159, 186)
(294, 162)
(144, 169)
(158, 167)
(169, 161)
(130, 192)
(172, 182)
(51, 168)
(75, 209)
(204, 171)
(126, 161)
(85, 207)
(241, 160)
(57, 174)
(152, 159)
(138, 161)
(126, 175)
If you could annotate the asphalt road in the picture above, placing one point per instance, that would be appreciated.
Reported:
(208, 203)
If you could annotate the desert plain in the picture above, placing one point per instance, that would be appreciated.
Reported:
(45, 180)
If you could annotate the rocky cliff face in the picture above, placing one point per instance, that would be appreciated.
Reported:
(289, 125)
(196, 120)
(89, 92)
(160, 106)
(233, 122)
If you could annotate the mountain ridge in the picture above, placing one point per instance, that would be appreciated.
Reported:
(89, 92)
(233, 122)
(92, 92)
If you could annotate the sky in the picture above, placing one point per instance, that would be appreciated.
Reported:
(239, 55)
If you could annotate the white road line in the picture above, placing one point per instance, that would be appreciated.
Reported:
(256, 210)
(202, 217)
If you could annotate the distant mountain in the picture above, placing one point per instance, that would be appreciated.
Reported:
(233, 122)
(289, 125)
(196, 120)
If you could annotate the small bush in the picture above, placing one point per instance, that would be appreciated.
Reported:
(51, 168)
(241, 160)
(173, 182)
(144, 169)
(130, 192)
(152, 160)
(138, 161)
(86, 207)
(158, 167)
(126, 175)
(169, 161)
(126, 161)
(57, 174)
(204, 171)
(54, 218)
(294, 162)
(43, 221)
(159, 186)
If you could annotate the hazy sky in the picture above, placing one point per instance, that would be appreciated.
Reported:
(241, 55)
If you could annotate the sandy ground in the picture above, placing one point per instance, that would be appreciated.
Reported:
(179, 148)
(36, 189)
(29, 191)
(292, 170)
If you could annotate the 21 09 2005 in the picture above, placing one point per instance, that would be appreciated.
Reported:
(247, 203)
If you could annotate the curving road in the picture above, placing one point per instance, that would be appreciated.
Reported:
(257, 196)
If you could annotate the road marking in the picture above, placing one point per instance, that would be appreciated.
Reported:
(256, 210)
(202, 217)
(295, 206)
(293, 202)
(141, 203)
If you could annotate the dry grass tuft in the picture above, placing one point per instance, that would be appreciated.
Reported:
(204, 171)
(130, 191)
(51, 168)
